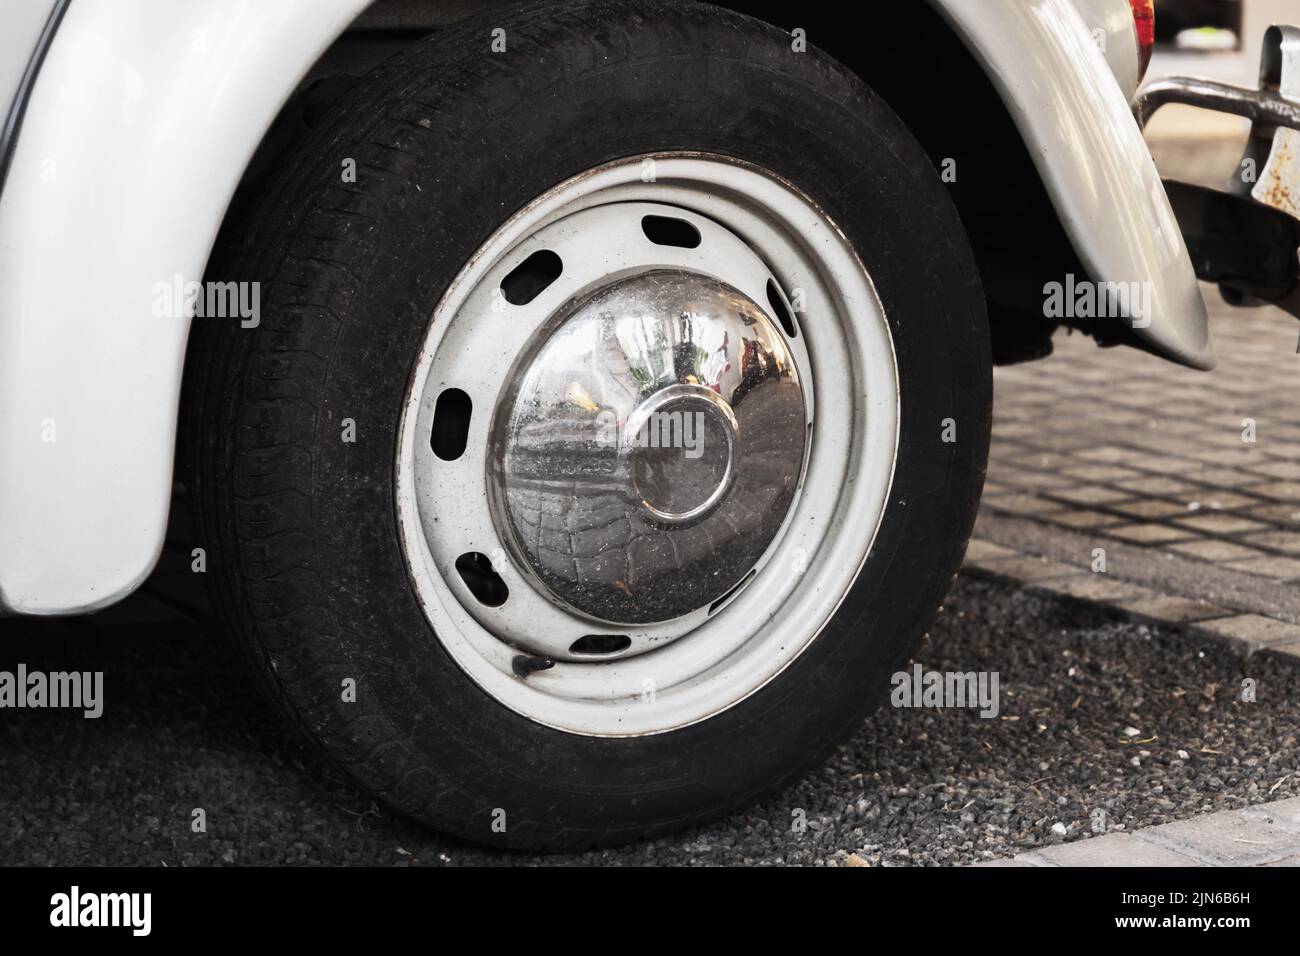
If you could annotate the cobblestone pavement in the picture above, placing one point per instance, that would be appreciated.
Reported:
(1121, 478)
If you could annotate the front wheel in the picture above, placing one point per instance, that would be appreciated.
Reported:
(604, 447)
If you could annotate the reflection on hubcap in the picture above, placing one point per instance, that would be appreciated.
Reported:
(680, 443)
(651, 448)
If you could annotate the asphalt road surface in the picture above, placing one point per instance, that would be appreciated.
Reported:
(1097, 713)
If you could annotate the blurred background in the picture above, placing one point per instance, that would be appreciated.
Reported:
(1220, 39)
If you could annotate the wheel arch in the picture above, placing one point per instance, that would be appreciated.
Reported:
(1052, 175)
(135, 135)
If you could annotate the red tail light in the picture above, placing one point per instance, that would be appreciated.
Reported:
(1144, 18)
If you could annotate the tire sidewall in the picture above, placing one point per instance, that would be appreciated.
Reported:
(421, 730)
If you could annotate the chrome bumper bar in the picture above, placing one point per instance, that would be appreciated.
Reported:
(1269, 172)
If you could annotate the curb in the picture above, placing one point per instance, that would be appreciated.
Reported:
(1266, 834)
(1243, 625)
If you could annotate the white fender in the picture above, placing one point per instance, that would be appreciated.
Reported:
(142, 120)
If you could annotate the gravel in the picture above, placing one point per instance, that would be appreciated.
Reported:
(1101, 720)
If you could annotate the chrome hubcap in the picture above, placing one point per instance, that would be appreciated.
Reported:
(652, 447)
(646, 445)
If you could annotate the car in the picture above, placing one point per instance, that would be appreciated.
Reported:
(582, 408)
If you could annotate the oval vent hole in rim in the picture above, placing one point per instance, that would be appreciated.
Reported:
(475, 570)
(776, 299)
(530, 278)
(595, 645)
(667, 231)
(450, 431)
(733, 592)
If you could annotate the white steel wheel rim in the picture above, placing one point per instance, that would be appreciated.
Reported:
(695, 666)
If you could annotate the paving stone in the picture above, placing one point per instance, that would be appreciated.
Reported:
(1215, 550)
(1085, 520)
(1254, 629)
(1115, 414)
(1095, 587)
(1288, 541)
(1192, 428)
(1218, 500)
(1277, 491)
(1283, 429)
(1006, 454)
(1278, 450)
(1287, 515)
(1174, 609)
(1013, 429)
(1220, 524)
(1289, 470)
(1220, 479)
(1046, 461)
(1102, 474)
(1289, 650)
(1096, 495)
(1014, 862)
(1029, 568)
(1150, 508)
(1027, 480)
(1155, 485)
(1172, 447)
(1281, 813)
(1149, 533)
(1227, 838)
(1163, 463)
(1225, 477)
(1286, 569)
(979, 550)
(1022, 504)
(1113, 454)
(1113, 849)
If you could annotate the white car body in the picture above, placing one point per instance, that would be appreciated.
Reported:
(144, 116)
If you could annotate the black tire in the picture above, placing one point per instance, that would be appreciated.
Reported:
(301, 528)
